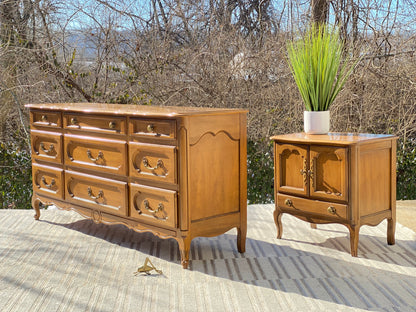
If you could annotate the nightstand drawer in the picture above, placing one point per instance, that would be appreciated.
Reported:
(48, 181)
(99, 154)
(46, 146)
(154, 162)
(157, 128)
(95, 192)
(103, 124)
(46, 119)
(153, 205)
(302, 205)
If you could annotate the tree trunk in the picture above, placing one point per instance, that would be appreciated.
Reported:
(319, 10)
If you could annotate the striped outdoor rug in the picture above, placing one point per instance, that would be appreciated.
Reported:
(66, 263)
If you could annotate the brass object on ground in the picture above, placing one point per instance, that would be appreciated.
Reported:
(147, 268)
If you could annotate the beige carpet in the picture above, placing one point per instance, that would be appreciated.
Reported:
(66, 263)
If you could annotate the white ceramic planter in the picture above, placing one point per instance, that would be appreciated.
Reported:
(316, 122)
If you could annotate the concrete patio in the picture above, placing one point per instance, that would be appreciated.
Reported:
(66, 263)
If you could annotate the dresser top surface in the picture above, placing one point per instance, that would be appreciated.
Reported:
(331, 138)
(133, 110)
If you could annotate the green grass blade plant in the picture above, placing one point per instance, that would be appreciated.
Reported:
(318, 66)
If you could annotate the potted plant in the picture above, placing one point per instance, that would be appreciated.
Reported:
(320, 69)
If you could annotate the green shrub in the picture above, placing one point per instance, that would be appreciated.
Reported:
(16, 174)
(260, 172)
(406, 169)
(15, 177)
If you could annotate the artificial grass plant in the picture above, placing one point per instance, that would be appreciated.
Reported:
(318, 65)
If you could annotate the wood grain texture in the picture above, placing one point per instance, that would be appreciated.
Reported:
(350, 179)
(177, 172)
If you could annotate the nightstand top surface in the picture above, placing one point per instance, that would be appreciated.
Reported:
(331, 138)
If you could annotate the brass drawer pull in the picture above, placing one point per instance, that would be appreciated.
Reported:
(49, 186)
(147, 165)
(288, 202)
(74, 121)
(46, 151)
(112, 124)
(332, 210)
(160, 208)
(90, 194)
(150, 128)
(100, 155)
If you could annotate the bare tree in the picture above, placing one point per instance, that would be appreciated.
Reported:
(319, 11)
(222, 53)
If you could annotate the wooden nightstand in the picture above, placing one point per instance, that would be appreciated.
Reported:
(336, 178)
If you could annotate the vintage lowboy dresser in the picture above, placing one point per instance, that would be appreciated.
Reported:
(177, 172)
(336, 178)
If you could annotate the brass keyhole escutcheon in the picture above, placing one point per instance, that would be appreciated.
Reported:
(150, 128)
(332, 210)
(112, 125)
(288, 202)
(74, 121)
(44, 118)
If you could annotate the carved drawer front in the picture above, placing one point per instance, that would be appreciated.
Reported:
(46, 119)
(153, 205)
(149, 127)
(98, 154)
(103, 124)
(327, 209)
(46, 146)
(48, 181)
(102, 194)
(155, 162)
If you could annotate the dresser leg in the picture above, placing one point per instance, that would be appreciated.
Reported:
(36, 206)
(278, 220)
(354, 235)
(241, 238)
(391, 229)
(184, 247)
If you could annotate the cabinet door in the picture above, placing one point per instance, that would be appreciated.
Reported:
(291, 162)
(328, 172)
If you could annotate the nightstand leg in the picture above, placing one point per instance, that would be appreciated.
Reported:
(36, 206)
(241, 238)
(354, 235)
(391, 229)
(278, 220)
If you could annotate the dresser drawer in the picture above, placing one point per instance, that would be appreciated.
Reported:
(157, 128)
(46, 119)
(93, 153)
(154, 162)
(48, 181)
(153, 205)
(102, 124)
(102, 194)
(327, 209)
(46, 146)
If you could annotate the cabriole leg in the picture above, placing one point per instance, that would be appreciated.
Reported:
(354, 235)
(278, 220)
(241, 238)
(184, 247)
(391, 229)
(36, 205)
